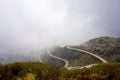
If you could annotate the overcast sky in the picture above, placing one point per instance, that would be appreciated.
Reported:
(34, 24)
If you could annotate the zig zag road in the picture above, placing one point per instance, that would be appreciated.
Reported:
(77, 67)
(61, 59)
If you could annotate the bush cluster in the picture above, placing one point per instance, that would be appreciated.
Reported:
(39, 71)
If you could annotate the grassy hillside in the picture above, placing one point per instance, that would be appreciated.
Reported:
(20, 71)
(38, 71)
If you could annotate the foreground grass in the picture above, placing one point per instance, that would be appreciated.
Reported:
(38, 71)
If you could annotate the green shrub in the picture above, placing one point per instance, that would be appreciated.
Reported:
(38, 71)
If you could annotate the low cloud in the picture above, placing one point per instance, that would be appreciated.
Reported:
(36, 24)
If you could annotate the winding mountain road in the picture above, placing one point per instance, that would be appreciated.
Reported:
(77, 67)
(61, 59)
(98, 57)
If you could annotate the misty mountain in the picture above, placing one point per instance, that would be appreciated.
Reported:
(107, 48)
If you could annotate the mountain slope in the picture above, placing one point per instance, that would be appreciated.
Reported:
(106, 47)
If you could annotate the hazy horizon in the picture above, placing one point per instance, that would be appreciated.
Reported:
(30, 25)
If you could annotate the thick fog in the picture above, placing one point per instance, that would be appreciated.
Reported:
(29, 25)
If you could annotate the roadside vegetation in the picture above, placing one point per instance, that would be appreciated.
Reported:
(39, 71)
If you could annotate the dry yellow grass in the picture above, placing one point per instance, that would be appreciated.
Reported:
(29, 76)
